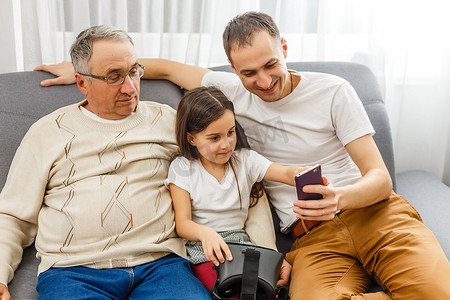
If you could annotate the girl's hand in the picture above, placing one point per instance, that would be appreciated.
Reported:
(285, 273)
(213, 245)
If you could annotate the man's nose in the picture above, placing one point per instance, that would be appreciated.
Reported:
(264, 81)
(128, 86)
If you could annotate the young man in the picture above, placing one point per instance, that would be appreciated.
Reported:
(84, 184)
(360, 231)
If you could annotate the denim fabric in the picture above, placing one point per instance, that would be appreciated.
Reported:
(167, 278)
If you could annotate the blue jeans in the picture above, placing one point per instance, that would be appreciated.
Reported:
(167, 278)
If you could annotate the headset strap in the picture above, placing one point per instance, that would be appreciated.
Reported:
(250, 275)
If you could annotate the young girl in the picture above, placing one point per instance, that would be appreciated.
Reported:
(212, 182)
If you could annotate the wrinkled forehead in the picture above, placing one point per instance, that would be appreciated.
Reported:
(112, 55)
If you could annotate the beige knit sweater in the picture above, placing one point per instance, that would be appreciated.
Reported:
(90, 194)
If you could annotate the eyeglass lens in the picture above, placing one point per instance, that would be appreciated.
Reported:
(119, 78)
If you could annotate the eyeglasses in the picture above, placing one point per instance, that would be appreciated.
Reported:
(118, 78)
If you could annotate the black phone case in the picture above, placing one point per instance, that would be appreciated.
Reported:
(309, 177)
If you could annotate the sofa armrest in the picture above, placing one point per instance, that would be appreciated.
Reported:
(431, 198)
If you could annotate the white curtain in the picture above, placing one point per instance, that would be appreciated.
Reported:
(406, 43)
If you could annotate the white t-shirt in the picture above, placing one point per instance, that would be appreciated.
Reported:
(309, 126)
(217, 204)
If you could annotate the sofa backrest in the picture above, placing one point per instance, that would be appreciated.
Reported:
(23, 101)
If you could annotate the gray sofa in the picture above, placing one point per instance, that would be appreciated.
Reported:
(23, 101)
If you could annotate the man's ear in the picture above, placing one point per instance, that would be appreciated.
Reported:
(81, 83)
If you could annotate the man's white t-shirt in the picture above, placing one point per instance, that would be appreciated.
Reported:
(214, 203)
(309, 126)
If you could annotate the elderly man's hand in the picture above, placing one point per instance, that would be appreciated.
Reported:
(4, 293)
(64, 71)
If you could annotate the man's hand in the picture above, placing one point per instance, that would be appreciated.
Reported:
(4, 293)
(285, 273)
(319, 210)
(213, 244)
(64, 71)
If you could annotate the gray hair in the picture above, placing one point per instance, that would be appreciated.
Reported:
(81, 49)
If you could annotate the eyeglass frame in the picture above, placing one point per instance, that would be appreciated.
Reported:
(122, 73)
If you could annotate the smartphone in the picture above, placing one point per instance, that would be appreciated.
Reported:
(310, 176)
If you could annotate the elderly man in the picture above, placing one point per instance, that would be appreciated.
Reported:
(87, 183)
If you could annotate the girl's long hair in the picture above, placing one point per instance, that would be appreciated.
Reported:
(197, 109)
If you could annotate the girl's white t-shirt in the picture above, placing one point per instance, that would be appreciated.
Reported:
(214, 203)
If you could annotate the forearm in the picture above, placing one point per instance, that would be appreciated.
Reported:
(375, 184)
(283, 174)
(190, 230)
(15, 234)
(186, 76)
(373, 187)
(20, 203)
(156, 68)
(291, 172)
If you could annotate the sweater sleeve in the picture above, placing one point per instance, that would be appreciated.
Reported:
(20, 203)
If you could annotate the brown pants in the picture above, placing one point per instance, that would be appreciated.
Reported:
(386, 242)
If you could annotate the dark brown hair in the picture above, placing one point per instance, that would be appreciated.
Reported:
(240, 30)
(197, 109)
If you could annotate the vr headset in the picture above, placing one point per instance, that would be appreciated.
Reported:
(252, 274)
